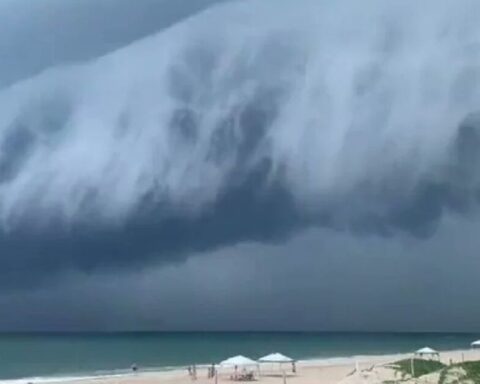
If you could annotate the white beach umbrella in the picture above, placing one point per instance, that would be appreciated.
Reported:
(275, 358)
(426, 351)
(238, 361)
(475, 344)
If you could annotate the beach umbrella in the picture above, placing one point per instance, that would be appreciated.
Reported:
(238, 361)
(475, 344)
(275, 358)
(427, 351)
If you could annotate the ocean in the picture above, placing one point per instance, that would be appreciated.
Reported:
(53, 355)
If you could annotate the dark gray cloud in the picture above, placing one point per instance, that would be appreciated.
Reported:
(335, 281)
(248, 122)
(250, 209)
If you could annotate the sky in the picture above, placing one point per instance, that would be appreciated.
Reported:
(220, 165)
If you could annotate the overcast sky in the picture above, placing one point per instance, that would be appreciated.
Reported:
(182, 165)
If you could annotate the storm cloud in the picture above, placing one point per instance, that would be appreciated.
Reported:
(247, 122)
(333, 281)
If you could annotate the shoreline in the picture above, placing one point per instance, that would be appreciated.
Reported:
(178, 375)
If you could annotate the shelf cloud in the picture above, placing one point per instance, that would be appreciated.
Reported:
(242, 122)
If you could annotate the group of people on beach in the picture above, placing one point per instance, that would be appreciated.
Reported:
(212, 371)
(192, 371)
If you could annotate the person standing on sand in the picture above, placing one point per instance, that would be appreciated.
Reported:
(194, 372)
(211, 371)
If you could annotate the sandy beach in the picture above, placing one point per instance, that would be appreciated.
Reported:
(358, 369)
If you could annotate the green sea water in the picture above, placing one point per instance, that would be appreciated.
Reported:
(47, 355)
